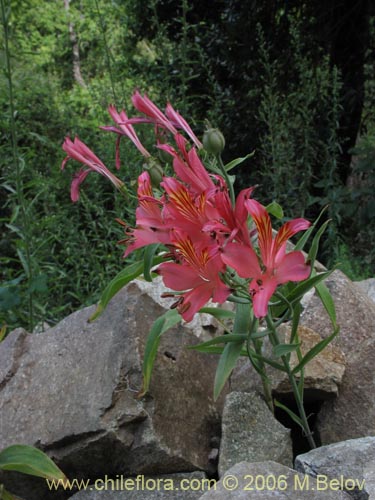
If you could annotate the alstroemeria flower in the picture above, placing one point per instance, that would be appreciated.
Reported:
(197, 275)
(276, 267)
(77, 150)
(171, 120)
(151, 225)
(188, 166)
(124, 128)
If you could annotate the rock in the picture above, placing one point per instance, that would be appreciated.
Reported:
(352, 414)
(346, 461)
(367, 286)
(202, 325)
(268, 481)
(323, 374)
(188, 486)
(369, 477)
(251, 433)
(72, 391)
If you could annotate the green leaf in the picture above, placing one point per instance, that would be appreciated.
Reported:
(284, 349)
(227, 362)
(238, 161)
(314, 351)
(327, 301)
(222, 339)
(306, 235)
(148, 259)
(29, 460)
(218, 313)
(3, 331)
(275, 209)
(315, 244)
(232, 351)
(292, 415)
(304, 286)
(160, 326)
(124, 277)
(5, 495)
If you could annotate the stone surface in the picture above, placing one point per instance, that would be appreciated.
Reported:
(323, 374)
(367, 286)
(250, 433)
(348, 460)
(352, 414)
(168, 487)
(270, 481)
(72, 392)
(369, 477)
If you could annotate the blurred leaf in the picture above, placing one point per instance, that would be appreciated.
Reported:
(29, 460)
(275, 209)
(124, 277)
(160, 326)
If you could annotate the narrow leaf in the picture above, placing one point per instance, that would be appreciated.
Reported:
(3, 331)
(292, 415)
(284, 349)
(222, 339)
(227, 362)
(124, 277)
(160, 326)
(315, 244)
(275, 209)
(314, 351)
(218, 313)
(306, 235)
(238, 161)
(148, 259)
(29, 460)
(327, 301)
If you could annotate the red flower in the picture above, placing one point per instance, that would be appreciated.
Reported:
(276, 266)
(198, 272)
(77, 150)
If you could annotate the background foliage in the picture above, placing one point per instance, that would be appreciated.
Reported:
(293, 81)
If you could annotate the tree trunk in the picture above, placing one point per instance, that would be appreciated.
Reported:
(75, 49)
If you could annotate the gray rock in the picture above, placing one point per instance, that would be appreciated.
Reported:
(367, 286)
(322, 376)
(251, 433)
(169, 487)
(352, 414)
(72, 392)
(348, 460)
(369, 477)
(270, 481)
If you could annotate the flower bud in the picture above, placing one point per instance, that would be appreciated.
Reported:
(213, 141)
(155, 172)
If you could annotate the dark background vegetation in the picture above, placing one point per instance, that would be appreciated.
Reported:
(293, 81)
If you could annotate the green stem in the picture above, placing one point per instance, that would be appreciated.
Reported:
(297, 394)
(227, 180)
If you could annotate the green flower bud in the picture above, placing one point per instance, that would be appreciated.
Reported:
(155, 171)
(213, 141)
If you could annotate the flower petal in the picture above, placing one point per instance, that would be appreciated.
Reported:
(243, 259)
(263, 224)
(263, 291)
(292, 268)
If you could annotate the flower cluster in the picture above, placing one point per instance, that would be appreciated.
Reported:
(206, 236)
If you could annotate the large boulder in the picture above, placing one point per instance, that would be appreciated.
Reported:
(352, 414)
(347, 462)
(250, 433)
(322, 375)
(271, 481)
(72, 391)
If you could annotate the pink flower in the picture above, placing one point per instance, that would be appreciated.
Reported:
(188, 167)
(124, 128)
(198, 274)
(276, 266)
(151, 225)
(77, 150)
(170, 121)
